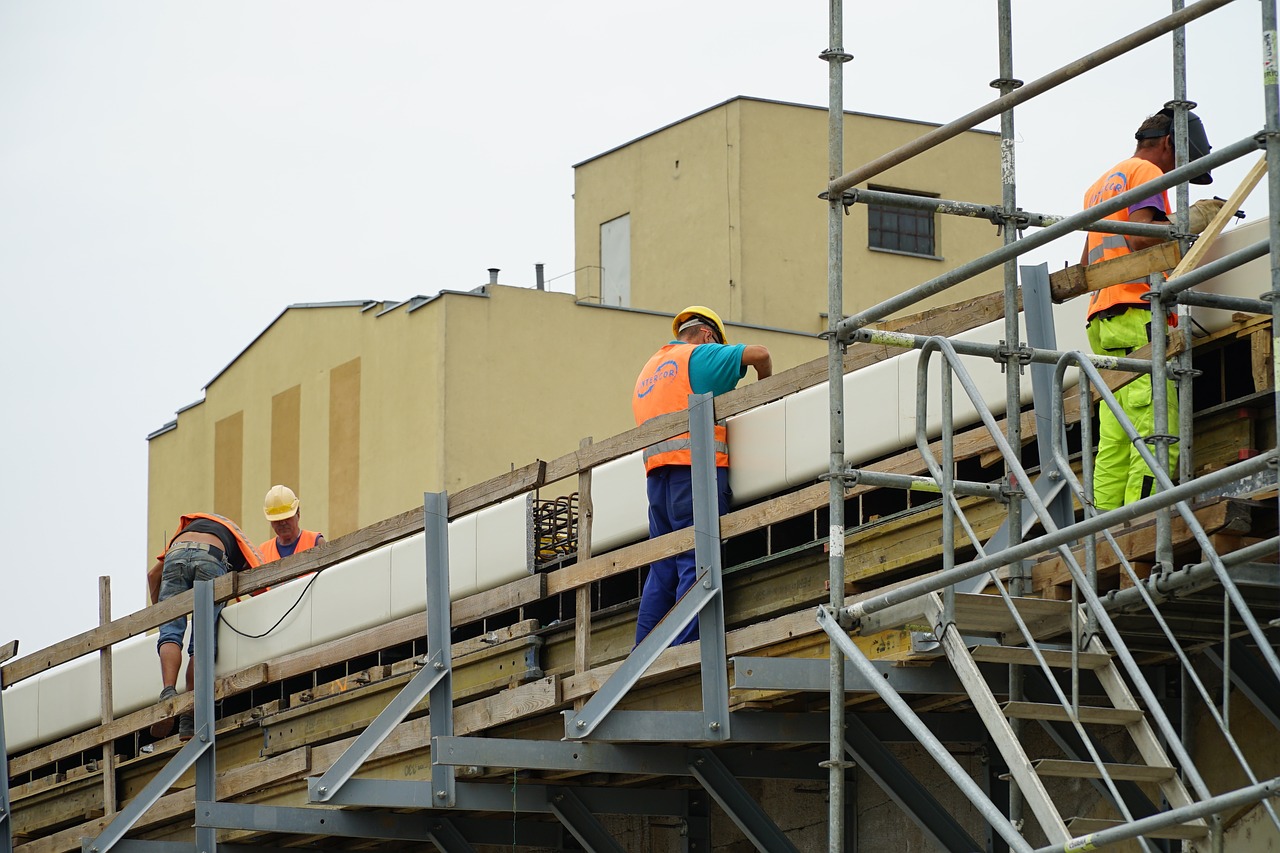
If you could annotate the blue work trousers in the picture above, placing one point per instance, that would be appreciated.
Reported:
(670, 491)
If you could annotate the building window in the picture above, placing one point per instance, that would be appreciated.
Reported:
(901, 229)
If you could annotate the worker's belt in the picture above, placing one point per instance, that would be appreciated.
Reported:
(185, 544)
(673, 444)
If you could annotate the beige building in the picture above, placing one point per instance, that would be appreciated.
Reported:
(722, 209)
(363, 406)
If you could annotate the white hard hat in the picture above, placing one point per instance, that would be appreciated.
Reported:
(280, 503)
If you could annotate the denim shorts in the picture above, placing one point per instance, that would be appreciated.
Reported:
(182, 568)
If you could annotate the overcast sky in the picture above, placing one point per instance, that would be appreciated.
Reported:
(172, 175)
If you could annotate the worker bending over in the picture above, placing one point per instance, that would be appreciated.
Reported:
(205, 547)
(698, 361)
(1119, 319)
(283, 510)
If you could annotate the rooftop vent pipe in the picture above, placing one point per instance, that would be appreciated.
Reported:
(537, 272)
(493, 275)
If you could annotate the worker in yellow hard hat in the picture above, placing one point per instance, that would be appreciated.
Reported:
(284, 511)
(699, 360)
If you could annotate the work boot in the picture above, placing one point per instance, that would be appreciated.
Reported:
(186, 727)
(161, 728)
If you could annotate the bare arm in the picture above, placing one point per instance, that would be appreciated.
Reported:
(153, 580)
(1147, 215)
(754, 355)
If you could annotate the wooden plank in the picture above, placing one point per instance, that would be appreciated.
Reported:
(989, 614)
(231, 784)
(582, 597)
(1096, 715)
(1261, 360)
(106, 699)
(1139, 543)
(228, 685)
(1186, 831)
(1024, 656)
(1084, 278)
(8, 650)
(1062, 768)
(1211, 232)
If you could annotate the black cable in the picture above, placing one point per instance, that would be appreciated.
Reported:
(223, 619)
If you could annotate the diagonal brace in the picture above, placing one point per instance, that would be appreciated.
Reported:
(741, 808)
(579, 820)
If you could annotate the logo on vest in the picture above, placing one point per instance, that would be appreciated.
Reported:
(667, 370)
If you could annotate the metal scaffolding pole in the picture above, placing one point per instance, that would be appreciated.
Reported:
(1271, 98)
(836, 762)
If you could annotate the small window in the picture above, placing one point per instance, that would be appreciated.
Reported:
(900, 229)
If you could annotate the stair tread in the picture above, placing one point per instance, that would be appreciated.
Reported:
(1057, 713)
(1088, 770)
(988, 614)
(1054, 657)
(1085, 825)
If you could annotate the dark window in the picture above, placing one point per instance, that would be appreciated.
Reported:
(900, 229)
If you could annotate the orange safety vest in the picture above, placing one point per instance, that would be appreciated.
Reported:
(663, 387)
(270, 553)
(251, 556)
(1103, 247)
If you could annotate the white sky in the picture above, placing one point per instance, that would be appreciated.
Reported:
(173, 175)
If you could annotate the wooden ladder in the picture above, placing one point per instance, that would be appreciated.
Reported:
(1029, 773)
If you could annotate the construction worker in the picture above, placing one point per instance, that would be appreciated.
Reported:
(205, 547)
(1119, 319)
(698, 361)
(281, 507)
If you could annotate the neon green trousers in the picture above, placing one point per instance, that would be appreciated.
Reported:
(1120, 475)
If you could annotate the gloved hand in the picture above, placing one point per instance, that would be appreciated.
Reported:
(1200, 214)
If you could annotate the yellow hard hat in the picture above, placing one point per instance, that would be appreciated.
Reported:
(280, 503)
(702, 314)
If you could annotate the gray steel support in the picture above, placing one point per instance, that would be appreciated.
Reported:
(913, 483)
(706, 548)
(181, 762)
(206, 764)
(741, 808)
(498, 797)
(580, 822)
(835, 57)
(386, 826)
(1204, 272)
(994, 351)
(810, 676)
(1048, 490)
(636, 759)
(1271, 101)
(1035, 87)
(927, 739)
(1037, 307)
(704, 599)
(1202, 809)
(435, 517)
(996, 214)
(915, 799)
(434, 679)
(1072, 223)
(1225, 303)
(1257, 683)
(696, 837)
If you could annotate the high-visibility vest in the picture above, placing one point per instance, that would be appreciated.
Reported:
(663, 387)
(251, 556)
(271, 553)
(1103, 247)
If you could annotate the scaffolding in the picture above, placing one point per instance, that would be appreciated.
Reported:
(1046, 680)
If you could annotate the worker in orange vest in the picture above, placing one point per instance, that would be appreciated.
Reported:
(205, 547)
(1119, 319)
(700, 360)
(282, 509)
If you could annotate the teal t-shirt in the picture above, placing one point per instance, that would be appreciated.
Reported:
(715, 368)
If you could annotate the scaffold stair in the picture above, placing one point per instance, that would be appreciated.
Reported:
(1029, 773)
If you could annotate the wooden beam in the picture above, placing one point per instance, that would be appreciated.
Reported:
(105, 683)
(1229, 208)
(582, 598)
(1084, 278)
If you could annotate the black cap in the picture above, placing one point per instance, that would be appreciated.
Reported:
(1197, 140)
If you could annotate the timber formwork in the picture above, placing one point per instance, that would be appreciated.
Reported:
(954, 614)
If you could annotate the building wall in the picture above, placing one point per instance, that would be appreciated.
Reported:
(372, 409)
(724, 212)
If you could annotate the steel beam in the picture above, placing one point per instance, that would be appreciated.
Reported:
(580, 822)
(504, 797)
(696, 834)
(206, 771)
(434, 679)
(646, 760)
(706, 546)
(810, 675)
(741, 808)
(903, 788)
